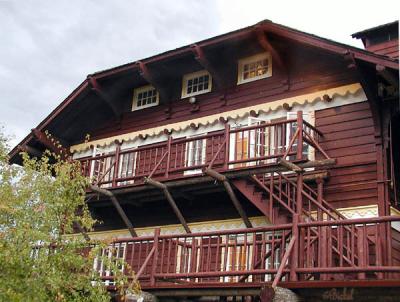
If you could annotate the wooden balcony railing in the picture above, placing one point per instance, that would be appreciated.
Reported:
(228, 149)
(301, 251)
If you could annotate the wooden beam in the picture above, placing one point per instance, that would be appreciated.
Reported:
(290, 166)
(218, 176)
(148, 76)
(99, 91)
(170, 200)
(50, 142)
(117, 206)
(206, 64)
(266, 44)
(388, 76)
(325, 163)
(30, 150)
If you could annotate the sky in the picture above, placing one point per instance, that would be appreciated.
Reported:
(47, 47)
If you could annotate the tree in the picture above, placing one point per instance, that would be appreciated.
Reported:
(40, 202)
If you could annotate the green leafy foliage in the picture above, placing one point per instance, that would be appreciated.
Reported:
(39, 203)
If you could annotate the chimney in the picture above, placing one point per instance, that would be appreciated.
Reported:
(382, 39)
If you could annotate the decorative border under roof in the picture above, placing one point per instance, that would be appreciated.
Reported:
(309, 98)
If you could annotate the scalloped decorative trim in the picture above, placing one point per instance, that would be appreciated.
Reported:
(310, 98)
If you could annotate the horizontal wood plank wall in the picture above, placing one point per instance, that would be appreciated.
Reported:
(349, 137)
(396, 246)
(302, 79)
(389, 48)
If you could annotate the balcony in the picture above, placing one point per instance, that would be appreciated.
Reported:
(300, 254)
(231, 149)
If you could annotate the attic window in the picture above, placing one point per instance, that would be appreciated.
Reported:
(196, 83)
(254, 68)
(143, 97)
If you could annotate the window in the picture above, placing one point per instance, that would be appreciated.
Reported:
(143, 97)
(196, 83)
(254, 68)
(195, 155)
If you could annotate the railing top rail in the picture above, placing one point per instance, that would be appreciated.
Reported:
(313, 128)
(198, 137)
(350, 221)
(281, 227)
(270, 124)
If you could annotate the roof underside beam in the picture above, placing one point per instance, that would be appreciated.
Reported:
(267, 46)
(201, 58)
(51, 143)
(30, 150)
(388, 76)
(99, 91)
(149, 77)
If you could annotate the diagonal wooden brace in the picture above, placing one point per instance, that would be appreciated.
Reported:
(218, 176)
(170, 200)
(117, 206)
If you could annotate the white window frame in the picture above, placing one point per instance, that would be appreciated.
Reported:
(194, 75)
(138, 90)
(248, 60)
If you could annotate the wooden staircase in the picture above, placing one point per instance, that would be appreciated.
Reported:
(275, 195)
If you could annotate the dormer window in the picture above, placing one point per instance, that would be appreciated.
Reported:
(254, 68)
(196, 83)
(144, 97)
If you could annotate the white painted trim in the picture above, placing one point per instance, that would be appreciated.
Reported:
(248, 60)
(194, 75)
(138, 90)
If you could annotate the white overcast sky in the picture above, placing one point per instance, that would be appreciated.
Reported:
(48, 47)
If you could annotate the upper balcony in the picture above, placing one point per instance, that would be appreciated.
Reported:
(229, 150)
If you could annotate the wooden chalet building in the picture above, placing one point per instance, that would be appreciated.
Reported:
(263, 157)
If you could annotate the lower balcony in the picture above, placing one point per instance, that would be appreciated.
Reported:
(329, 253)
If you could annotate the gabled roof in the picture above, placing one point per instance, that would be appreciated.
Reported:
(365, 32)
(266, 25)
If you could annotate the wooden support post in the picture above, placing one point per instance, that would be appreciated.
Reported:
(294, 259)
(221, 178)
(116, 166)
(320, 191)
(290, 166)
(300, 136)
(155, 257)
(227, 143)
(170, 200)
(362, 253)
(117, 206)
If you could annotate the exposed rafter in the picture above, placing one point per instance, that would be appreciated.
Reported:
(149, 77)
(170, 200)
(30, 150)
(201, 58)
(99, 91)
(51, 143)
(117, 206)
(266, 44)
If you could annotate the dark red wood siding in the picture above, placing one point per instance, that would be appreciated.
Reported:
(349, 138)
